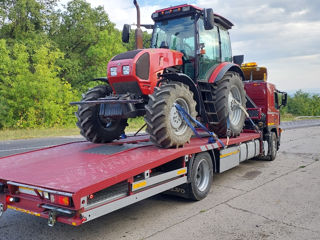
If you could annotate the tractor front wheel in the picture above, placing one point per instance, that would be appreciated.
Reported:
(164, 123)
(96, 128)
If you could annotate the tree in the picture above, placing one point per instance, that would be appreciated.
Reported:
(82, 34)
(303, 104)
(146, 40)
(20, 19)
(35, 98)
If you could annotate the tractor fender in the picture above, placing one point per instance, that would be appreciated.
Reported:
(219, 70)
(185, 79)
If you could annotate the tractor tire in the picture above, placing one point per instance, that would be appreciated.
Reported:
(228, 88)
(164, 124)
(92, 126)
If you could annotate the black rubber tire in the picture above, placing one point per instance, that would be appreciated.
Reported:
(201, 177)
(272, 153)
(91, 125)
(230, 82)
(159, 110)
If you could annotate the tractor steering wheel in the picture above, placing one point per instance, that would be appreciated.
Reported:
(187, 53)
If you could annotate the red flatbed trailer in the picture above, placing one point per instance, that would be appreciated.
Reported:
(76, 182)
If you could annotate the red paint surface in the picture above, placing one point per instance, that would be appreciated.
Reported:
(262, 93)
(179, 6)
(159, 60)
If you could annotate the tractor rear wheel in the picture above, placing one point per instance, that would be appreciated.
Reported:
(229, 94)
(164, 123)
(96, 128)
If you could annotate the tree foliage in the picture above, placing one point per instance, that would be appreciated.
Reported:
(33, 96)
(48, 55)
(303, 104)
(88, 39)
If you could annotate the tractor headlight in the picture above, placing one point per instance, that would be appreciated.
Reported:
(125, 70)
(113, 71)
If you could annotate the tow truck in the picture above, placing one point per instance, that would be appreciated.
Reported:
(77, 182)
(80, 181)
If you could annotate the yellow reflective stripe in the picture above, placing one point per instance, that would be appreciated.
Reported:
(23, 210)
(139, 184)
(182, 171)
(26, 188)
(228, 154)
(270, 124)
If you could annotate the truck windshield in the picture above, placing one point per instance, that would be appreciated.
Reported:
(177, 34)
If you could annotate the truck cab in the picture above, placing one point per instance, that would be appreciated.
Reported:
(264, 100)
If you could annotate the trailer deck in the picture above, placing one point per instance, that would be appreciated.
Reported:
(79, 169)
(77, 166)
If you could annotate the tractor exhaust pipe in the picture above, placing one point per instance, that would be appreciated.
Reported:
(138, 32)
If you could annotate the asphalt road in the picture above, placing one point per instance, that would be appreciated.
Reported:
(18, 146)
(256, 200)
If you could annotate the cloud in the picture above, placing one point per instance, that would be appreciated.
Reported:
(123, 11)
(283, 35)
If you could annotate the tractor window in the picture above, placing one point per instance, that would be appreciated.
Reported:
(177, 34)
(225, 46)
(209, 39)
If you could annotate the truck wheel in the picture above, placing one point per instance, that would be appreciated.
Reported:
(228, 92)
(96, 128)
(201, 176)
(272, 147)
(164, 124)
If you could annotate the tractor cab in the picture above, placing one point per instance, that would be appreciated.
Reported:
(199, 34)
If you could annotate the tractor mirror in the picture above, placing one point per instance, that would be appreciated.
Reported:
(208, 19)
(126, 33)
(238, 59)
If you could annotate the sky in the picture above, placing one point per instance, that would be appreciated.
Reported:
(282, 35)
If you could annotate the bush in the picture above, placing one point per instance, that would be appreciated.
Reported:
(32, 95)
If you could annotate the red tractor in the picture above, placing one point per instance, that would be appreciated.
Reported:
(189, 63)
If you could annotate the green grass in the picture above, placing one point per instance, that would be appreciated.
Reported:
(135, 124)
(13, 134)
(286, 117)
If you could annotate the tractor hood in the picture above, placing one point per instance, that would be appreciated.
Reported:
(137, 71)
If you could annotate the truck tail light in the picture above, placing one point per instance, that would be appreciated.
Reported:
(61, 200)
(10, 199)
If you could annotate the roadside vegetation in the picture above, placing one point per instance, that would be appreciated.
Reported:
(49, 54)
